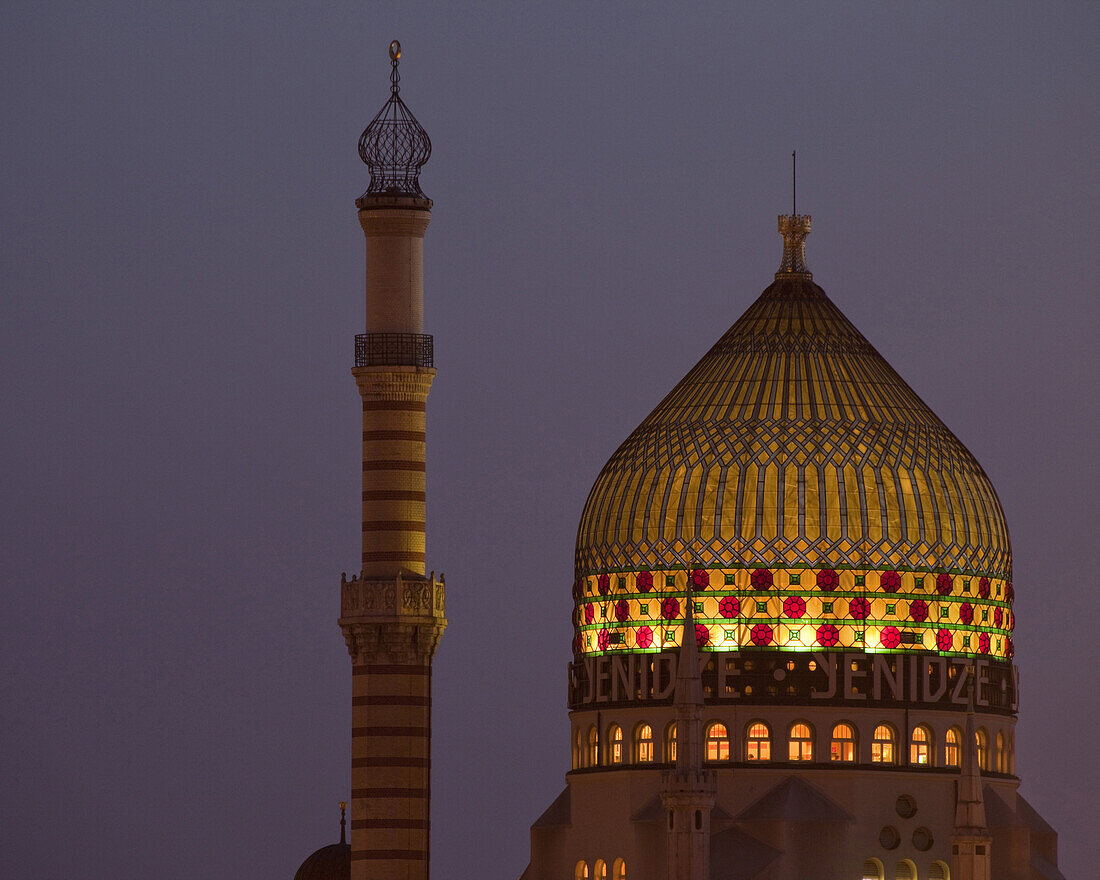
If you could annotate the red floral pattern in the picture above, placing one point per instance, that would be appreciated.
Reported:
(589, 613)
(730, 606)
(944, 582)
(1010, 649)
(944, 640)
(622, 610)
(604, 583)
(762, 579)
(1010, 594)
(702, 635)
(918, 610)
(966, 613)
(983, 643)
(761, 634)
(645, 581)
(794, 607)
(670, 608)
(827, 635)
(602, 639)
(859, 608)
(983, 588)
(1011, 621)
(644, 636)
(998, 616)
(827, 579)
(890, 637)
(890, 581)
(700, 579)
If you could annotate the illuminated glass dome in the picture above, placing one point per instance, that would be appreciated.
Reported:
(811, 496)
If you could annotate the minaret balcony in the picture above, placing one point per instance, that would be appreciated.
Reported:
(394, 349)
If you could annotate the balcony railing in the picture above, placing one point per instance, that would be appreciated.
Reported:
(394, 349)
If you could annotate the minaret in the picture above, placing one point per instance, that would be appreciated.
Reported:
(971, 843)
(392, 614)
(689, 791)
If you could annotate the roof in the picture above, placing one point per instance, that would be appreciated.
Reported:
(794, 800)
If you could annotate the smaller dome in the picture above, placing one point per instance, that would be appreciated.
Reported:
(332, 862)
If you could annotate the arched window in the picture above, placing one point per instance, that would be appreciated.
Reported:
(670, 743)
(800, 742)
(643, 744)
(618, 870)
(843, 745)
(906, 870)
(1012, 753)
(615, 744)
(883, 745)
(872, 870)
(580, 872)
(939, 871)
(717, 742)
(599, 870)
(1002, 758)
(951, 747)
(981, 738)
(758, 742)
(920, 746)
(577, 748)
(592, 752)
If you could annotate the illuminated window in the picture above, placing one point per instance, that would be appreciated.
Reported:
(643, 744)
(758, 742)
(872, 870)
(882, 745)
(843, 745)
(1012, 753)
(670, 743)
(615, 742)
(1002, 757)
(981, 738)
(920, 746)
(618, 870)
(592, 752)
(906, 870)
(800, 743)
(951, 747)
(599, 870)
(578, 750)
(939, 871)
(581, 871)
(718, 742)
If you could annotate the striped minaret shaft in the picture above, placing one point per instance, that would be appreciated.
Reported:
(392, 615)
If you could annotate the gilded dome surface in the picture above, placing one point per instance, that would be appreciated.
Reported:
(793, 456)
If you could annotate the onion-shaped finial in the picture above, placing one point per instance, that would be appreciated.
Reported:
(394, 146)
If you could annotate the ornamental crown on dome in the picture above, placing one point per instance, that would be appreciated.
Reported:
(394, 146)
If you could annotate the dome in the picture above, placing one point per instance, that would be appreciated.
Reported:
(332, 862)
(793, 463)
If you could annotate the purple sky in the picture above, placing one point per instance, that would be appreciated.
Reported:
(182, 272)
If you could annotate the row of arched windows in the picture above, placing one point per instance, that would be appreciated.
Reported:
(873, 869)
(757, 746)
(599, 870)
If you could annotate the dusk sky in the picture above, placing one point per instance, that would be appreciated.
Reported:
(182, 277)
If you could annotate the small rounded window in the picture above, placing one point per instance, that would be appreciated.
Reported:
(889, 838)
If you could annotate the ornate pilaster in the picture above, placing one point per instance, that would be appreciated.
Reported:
(971, 842)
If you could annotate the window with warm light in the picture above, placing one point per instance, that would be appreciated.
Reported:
(843, 744)
(872, 870)
(920, 746)
(618, 870)
(717, 742)
(800, 742)
(643, 744)
(883, 745)
(592, 756)
(580, 872)
(952, 746)
(981, 739)
(578, 749)
(906, 870)
(758, 742)
(670, 743)
(939, 871)
(599, 870)
(615, 744)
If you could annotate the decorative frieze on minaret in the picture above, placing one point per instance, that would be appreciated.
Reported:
(392, 613)
(689, 792)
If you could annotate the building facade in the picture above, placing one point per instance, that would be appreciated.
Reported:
(793, 618)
